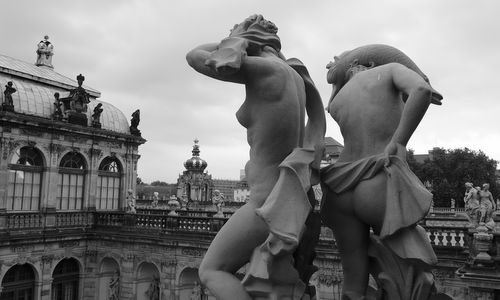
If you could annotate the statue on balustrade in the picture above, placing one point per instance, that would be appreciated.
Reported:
(471, 201)
(379, 97)
(131, 208)
(284, 162)
(486, 207)
(218, 200)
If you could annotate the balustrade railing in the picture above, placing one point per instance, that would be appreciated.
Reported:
(24, 221)
(72, 219)
(442, 233)
(160, 222)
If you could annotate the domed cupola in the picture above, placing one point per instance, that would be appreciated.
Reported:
(195, 163)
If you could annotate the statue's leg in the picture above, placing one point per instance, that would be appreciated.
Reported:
(352, 237)
(231, 248)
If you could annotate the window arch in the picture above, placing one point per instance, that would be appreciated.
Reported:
(65, 282)
(25, 178)
(72, 170)
(19, 283)
(108, 184)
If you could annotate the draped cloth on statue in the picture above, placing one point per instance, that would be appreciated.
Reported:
(407, 202)
(285, 211)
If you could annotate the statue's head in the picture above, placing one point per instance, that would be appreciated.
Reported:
(468, 185)
(259, 32)
(365, 57)
(486, 186)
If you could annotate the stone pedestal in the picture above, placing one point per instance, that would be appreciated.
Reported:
(7, 107)
(77, 118)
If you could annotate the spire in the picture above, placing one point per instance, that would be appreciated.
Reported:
(195, 163)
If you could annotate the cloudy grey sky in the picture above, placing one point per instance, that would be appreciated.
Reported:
(134, 53)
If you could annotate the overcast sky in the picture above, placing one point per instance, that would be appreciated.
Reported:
(133, 52)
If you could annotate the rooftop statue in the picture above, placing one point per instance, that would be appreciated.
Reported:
(134, 122)
(79, 98)
(284, 161)
(8, 102)
(96, 116)
(44, 52)
(379, 97)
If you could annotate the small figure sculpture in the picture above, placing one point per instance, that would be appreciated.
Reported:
(97, 115)
(131, 202)
(218, 200)
(379, 97)
(8, 103)
(134, 123)
(156, 197)
(58, 113)
(79, 97)
(471, 201)
(44, 53)
(114, 287)
(284, 161)
(153, 291)
(195, 292)
(486, 207)
(174, 205)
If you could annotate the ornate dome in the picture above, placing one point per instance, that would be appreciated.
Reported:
(195, 163)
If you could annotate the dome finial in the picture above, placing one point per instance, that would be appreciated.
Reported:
(195, 163)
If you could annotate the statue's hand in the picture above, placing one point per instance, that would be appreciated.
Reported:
(390, 149)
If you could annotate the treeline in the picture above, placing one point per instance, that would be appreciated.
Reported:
(446, 172)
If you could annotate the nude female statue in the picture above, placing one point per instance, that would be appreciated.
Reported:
(379, 97)
(277, 98)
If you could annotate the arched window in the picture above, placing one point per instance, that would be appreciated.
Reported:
(25, 177)
(108, 184)
(19, 283)
(66, 280)
(72, 170)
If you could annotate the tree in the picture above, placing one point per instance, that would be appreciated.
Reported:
(449, 170)
(139, 181)
(159, 183)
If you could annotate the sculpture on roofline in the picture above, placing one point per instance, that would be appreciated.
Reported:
(284, 162)
(96, 116)
(379, 97)
(44, 52)
(58, 113)
(8, 102)
(134, 123)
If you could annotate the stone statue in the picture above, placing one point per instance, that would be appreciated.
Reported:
(218, 200)
(471, 201)
(44, 53)
(174, 205)
(8, 103)
(486, 207)
(284, 161)
(114, 287)
(79, 98)
(96, 115)
(58, 113)
(131, 202)
(153, 291)
(134, 122)
(156, 197)
(379, 97)
(195, 292)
